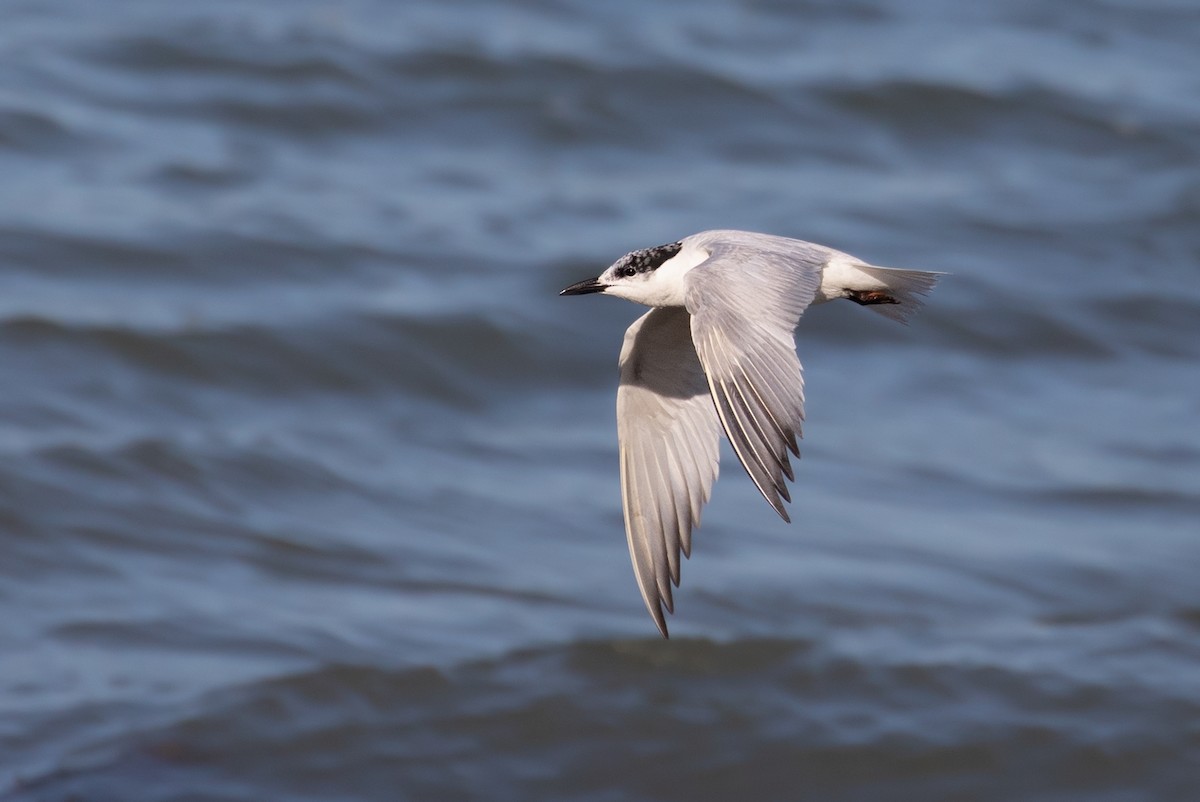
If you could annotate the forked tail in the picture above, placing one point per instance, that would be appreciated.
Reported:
(899, 293)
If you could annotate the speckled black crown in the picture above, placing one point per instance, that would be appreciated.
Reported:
(648, 259)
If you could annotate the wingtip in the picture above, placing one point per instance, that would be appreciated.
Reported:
(660, 621)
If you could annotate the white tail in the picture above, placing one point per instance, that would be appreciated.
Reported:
(901, 290)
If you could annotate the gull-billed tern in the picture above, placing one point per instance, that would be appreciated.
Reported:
(717, 352)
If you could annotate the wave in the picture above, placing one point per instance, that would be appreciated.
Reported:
(453, 358)
(692, 719)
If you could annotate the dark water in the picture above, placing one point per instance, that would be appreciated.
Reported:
(308, 480)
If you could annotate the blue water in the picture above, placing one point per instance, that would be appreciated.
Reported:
(308, 479)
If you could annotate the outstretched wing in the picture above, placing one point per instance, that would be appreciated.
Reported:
(745, 301)
(669, 444)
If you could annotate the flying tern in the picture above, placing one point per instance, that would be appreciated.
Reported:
(717, 352)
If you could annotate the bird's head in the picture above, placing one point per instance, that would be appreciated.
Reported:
(637, 277)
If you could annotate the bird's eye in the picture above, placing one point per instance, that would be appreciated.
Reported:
(628, 272)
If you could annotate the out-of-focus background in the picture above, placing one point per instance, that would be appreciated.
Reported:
(308, 479)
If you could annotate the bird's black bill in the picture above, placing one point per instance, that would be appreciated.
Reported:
(584, 287)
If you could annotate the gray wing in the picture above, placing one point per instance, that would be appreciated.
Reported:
(745, 301)
(669, 444)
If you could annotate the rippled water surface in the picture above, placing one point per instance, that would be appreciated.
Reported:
(308, 479)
